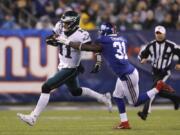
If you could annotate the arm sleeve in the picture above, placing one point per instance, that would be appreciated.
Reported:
(97, 66)
(177, 52)
(98, 54)
(145, 52)
(98, 57)
(85, 38)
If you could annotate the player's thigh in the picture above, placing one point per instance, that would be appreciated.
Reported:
(74, 87)
(73, 83)
(132, 87)
(119, 89)
(61, 77)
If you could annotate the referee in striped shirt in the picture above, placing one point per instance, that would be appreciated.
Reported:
(160, 52)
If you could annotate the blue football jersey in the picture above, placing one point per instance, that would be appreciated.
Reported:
(115, 53)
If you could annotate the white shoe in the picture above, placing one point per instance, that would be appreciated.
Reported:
(30, 120)
(108, 101)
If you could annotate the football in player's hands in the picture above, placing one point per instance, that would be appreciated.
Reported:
(62, 39)
(51, 38)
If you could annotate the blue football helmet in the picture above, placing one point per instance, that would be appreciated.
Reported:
(106, 29)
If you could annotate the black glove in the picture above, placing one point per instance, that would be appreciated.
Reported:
(97, 67)
(51, 40)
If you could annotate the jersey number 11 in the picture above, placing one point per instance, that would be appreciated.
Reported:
(68, 51)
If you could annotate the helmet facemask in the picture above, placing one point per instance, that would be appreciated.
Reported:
(70, 21)
(106, 29)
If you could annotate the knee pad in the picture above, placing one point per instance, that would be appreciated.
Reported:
(45, 88)
(76, 92)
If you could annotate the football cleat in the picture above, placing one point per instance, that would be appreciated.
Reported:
(108, 101)
(123, 125)
(176, 104)
(30, 120)
(163, 86)
(142, 115)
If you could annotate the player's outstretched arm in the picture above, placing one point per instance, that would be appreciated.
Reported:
(95, 47)
(177, 52)
(86, 47)
(144, 54)
(98, 64)
(143, 61)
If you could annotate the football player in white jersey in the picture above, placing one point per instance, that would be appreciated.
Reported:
(68, 67)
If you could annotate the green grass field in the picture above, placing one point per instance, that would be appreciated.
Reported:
(90, 122)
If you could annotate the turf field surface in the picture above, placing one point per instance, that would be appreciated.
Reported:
(90, 122)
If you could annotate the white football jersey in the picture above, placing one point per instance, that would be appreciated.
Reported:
(69, 57)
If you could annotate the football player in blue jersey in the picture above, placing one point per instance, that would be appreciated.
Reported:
(113, 48)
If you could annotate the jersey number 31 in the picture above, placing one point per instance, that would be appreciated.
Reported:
(120, 50)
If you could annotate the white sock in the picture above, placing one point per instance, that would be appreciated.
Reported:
(123, 117)
(151, 93)
(91, 93)
(42, 103)
(151, 100)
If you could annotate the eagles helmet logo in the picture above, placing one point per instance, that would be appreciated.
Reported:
(70, 20)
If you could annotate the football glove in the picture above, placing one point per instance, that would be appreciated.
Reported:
(97, 67)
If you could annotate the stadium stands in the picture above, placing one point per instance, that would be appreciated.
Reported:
(127, 14)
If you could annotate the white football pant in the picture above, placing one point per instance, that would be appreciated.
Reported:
(128, 88)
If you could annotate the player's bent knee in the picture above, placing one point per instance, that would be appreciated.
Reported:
(115, 95)
(45, 88)
(76, 92)
(137, 103)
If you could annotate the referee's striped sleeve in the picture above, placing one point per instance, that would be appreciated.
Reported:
(177, 52)
(145, 52)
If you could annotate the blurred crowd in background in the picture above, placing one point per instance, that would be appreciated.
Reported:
(126, 14)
